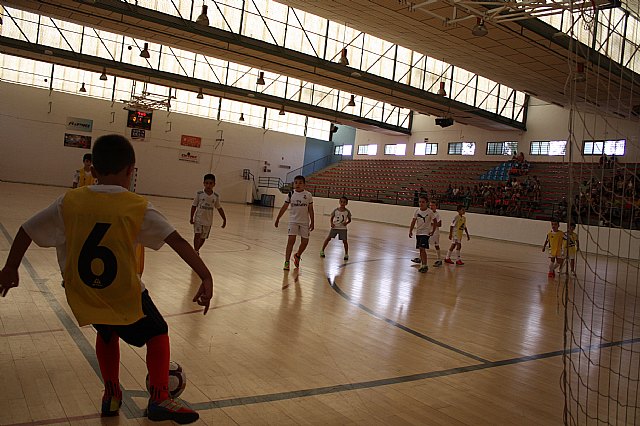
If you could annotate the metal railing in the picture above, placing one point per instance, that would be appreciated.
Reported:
(270, 182)
(314, 166)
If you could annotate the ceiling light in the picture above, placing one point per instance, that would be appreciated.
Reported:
(580, 76)
(281, 110)
(145, 52)
(479, 30)
(441, 91)
(203, 19)
(352, 101)
(343, 57)
(82, 88)
(241, 116)
(103, 76)
(260, 81)
(200, 95)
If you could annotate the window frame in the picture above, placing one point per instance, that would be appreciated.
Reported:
(426, 144)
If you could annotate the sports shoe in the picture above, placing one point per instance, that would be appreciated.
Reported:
(551, 274)
(111, 406)
(346, 257)
(447, 260)
(170, 409)
(423, 268)
(416, 260)
(286, 265)
(459, 262)
(321, 253)
(296, 260)
(438, 263)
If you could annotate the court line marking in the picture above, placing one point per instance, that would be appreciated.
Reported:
(402, 327)
(24, 333)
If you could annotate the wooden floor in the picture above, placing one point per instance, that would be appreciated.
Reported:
(369, 341)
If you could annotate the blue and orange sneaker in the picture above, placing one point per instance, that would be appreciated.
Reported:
(170, 409)
(111, 405)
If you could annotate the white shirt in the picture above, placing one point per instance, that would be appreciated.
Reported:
(340, 218)
(424, 221)
(436, 219)
(204, 204)
(299, 206)
(46, 228)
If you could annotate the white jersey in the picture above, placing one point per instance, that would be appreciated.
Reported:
(424, 221)
(436, 218)
(340, 218)
(204, 204)
(299, 206)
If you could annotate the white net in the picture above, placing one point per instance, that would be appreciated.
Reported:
(601, 377)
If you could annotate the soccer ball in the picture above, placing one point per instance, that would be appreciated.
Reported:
(177, 380)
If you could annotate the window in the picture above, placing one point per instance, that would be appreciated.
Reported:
(343, 149)
(502, 148)
(548, 147)
(371, 149)
(609, 147)
(397, 149)
(423, 148)
(462, 148)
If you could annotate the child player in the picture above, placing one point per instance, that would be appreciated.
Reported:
(202, 212)
(456, 231)
(571, 246)
(340, 218)
(435, 238)
(554, 241)
(97, 228)
(424, 218)
(300, 220)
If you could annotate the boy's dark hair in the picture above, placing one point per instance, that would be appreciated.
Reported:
(425, 198)
(345, 199)
(112, 154)
(210, 176)
(86, 157)
(299, 177)
(459, 207)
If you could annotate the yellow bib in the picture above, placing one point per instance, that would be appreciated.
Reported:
(100, 272)
(460, 225)
(84, 179)
(555, 242)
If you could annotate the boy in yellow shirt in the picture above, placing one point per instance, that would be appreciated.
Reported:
(554, 241)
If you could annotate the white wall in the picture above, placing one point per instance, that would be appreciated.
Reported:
(32, 150)
(621, 243)
(544, 122)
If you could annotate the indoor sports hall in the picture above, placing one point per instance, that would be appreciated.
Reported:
(519, 114)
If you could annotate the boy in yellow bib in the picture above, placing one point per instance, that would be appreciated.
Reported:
(571, 246)
(96, 229)
(554, 241)
(84, 177)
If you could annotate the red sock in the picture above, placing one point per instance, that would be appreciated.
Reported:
(108, 353)
(158, 353)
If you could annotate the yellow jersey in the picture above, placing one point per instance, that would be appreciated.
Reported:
(101, 281)
(85, 179)
(571, 242)
(555, 243)
(459, 224)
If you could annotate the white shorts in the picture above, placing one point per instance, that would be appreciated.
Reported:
(299, 229)
(435, 239)
(457, 240)
(203, 230)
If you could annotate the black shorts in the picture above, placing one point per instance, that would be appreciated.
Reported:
(422, 241)
(141, 331)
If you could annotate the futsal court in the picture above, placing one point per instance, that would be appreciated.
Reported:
(364, 341)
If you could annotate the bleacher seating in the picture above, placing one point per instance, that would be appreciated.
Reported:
(397, 181)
